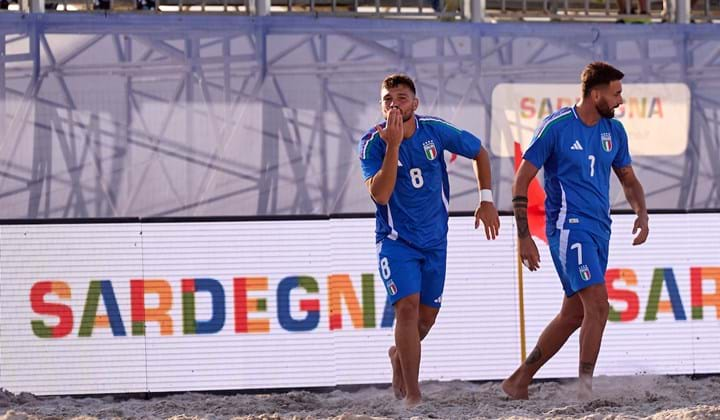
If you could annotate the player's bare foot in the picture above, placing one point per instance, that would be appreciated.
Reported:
(397, 379)
(585, 388)
(514, 390)
(412, 401)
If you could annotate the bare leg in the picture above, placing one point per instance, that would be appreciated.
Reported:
(398, 385)
(413, 322)
(407, 342)
(596, 308)
(428, 314)
(551, 340)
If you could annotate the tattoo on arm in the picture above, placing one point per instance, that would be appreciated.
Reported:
(522, 223)
(587, 368)
(534, 357)
(520, 207)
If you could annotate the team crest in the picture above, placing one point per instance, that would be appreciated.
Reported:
(584, 272)
(606, 141)
(430, 150)
(392, 289)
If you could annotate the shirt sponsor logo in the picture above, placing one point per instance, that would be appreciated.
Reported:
(430, 150)
(576, 145)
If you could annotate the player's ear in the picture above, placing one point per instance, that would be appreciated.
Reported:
(416, 102)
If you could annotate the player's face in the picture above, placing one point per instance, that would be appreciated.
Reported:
(401, 97)
(609, 98)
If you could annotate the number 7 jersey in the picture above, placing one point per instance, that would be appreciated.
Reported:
(578, 160)
(417, 211)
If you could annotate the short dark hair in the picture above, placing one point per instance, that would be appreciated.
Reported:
(398, 79)
(598, 73)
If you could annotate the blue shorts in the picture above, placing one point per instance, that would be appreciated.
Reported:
(406, 270)
(580, 258)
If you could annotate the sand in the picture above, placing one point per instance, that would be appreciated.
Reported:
(655, 397)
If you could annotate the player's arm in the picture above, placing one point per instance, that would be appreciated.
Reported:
(486, 211)
(382, 184)
(526, 246)
(635, 195)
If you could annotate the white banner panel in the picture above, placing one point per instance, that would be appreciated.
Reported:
(57, 285)
(654, 325)
(97, 308)
(656, 116)
(235, 333)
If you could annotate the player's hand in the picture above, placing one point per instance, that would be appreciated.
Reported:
(488, 215)
(393, 131)
(641, 224)
(529, 254)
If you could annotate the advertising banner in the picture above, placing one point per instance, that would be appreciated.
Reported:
(156, 307)
(656, 116)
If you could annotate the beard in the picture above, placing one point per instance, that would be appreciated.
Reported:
(407, 117)
(604, 109)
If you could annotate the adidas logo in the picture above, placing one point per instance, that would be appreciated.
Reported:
(399, 163)
(576, 145)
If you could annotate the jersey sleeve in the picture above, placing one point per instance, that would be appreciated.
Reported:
(541, 145)
(458, 141)
(371, 151)
(622, 158)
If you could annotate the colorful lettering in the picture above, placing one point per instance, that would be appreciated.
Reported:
(697, 298)
(217, 303)
(90, 318)
(656, 108)
(545, 108)
(40, 307)
(244, 304)
(655, 305)
(527, 107)
(311, 306)
(140, 314)
(340, 288)
(630, 298)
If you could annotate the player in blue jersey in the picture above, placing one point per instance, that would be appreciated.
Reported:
(577, 146)
(404, 169)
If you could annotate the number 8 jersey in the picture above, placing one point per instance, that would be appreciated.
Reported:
(417, 211)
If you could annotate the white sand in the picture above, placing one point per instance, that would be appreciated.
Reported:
(656, 397)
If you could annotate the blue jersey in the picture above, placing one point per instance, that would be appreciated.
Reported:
(578, 161)
(418, 208)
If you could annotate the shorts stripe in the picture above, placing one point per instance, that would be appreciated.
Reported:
(564, 235)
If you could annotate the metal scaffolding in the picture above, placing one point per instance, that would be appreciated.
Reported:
(197, 116)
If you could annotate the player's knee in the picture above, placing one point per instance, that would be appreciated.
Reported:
(597, 310)
(406, 309)
(572, 320)
(424, 325)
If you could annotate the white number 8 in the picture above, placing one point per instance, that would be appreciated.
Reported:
(416, 177)
(385, 268)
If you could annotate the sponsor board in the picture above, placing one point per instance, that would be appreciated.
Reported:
(99, 308)
(656, 116)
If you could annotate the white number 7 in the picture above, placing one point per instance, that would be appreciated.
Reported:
(578, 246)
(592, 165)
